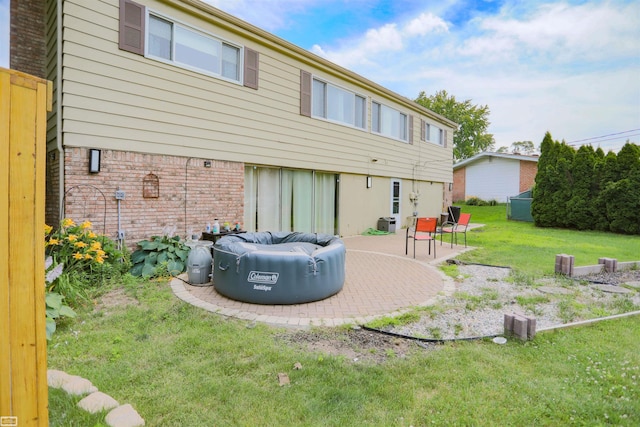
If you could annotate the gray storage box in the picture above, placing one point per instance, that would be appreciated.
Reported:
(387, 224)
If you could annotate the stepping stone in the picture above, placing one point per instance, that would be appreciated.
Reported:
(56, 378)
(124, 416)
(613, 289)
(97, 402)
(555, 290)
(78, 386)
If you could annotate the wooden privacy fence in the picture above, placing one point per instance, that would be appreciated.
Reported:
(24, 102)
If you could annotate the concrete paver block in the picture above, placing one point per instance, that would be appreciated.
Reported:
(98, 401)
(520, 327)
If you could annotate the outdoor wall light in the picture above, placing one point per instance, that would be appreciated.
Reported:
(94, 161)
(369, 181)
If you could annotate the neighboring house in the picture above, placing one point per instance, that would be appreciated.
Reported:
(174, 113)
(493, 176)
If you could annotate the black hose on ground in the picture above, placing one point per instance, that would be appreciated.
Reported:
(457, 262)
(427, 340)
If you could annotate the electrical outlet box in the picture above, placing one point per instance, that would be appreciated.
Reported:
(120, 234)
(120, 195)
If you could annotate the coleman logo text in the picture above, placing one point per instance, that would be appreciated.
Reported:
(263, 278)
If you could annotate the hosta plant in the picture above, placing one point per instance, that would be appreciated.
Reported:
(160, 252)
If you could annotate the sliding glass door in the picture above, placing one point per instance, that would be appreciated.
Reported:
(290, 200)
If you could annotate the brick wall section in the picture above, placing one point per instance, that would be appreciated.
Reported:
(459, 184)
(52, 186)
(27, 34)
(216, 192)
(528, 171)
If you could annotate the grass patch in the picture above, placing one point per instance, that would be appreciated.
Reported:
(403, 319)
(487, 298)
(65, 411)
(450, 270)
(530, 302)
(530, 249)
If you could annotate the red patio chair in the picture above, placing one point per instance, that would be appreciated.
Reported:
(425, 229)
(456, 227)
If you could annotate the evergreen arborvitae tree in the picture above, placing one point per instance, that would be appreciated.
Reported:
(541, 205)
(622, 197)
(598, 208)
(587, 189)
(609, 175)
(563, 184)
(580, 205)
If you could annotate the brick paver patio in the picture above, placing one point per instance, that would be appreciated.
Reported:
(380, 280)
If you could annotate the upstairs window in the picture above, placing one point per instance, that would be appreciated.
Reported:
(147, 34)
(433, 134)
(389, 122)
(192, 49)
(339, 105)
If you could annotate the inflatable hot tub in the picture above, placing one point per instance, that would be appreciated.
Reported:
(278, 267)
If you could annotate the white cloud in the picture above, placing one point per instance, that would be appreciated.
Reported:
(386, 38)
(561, 31)
(424, 24)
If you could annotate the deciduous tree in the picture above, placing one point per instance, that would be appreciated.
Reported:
(471, 137)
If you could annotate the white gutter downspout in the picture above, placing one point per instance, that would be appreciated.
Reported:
(59, 145)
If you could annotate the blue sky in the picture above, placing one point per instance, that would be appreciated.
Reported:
(568, 67)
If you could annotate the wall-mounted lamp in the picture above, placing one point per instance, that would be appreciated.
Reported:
(369, 181)
(451, 186)
(94, 161)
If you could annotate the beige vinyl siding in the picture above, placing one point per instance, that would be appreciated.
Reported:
(117, 100)
(361, 207)
(51, 10)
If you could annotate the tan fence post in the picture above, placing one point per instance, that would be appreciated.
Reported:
(24, 102)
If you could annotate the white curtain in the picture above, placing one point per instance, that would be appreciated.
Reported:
(268, 200)
(289, 200)
(325, 196)
(250, 198)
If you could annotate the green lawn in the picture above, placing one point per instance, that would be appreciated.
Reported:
(181, 366)
(532, 250)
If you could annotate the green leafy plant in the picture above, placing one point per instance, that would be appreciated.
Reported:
(55, 306)
(151, 257)
(87, 258)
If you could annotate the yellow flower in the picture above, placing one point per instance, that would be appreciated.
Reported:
(99, 260)
(100, 253)
(72, 237)
(80, 244)
(87, 256)
(78, 255)
(85, 225)
(68, 222)
(47, 229)
(54, 241)
(95, 246)
(92, 235)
